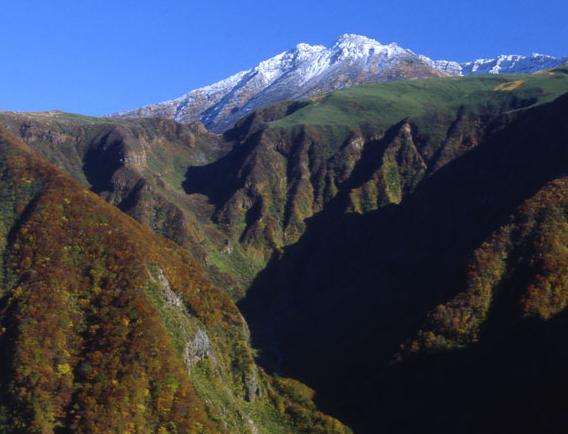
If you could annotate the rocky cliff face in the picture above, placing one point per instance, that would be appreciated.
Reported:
(235, 199)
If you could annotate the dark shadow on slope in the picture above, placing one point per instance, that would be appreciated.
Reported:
(258, 119)
(370, 160)
(103, 158)
(334, 308)
(220, 179)
(511, 383)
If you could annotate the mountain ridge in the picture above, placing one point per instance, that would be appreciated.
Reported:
(310, 70)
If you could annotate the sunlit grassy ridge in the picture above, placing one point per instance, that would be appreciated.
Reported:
(381, 105)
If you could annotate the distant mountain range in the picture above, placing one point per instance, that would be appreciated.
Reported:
(310, 70)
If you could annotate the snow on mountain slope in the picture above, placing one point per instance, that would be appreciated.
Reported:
(447, 66)
(300, 72)
(504, 64)
(309, 70)
(512, 64)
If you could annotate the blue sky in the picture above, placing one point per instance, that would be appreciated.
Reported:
(100, 56)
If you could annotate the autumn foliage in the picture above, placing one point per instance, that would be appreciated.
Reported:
(85, 350)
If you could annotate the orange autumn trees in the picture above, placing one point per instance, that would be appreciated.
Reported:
(526, 261)
(87, 347)
(86, 350)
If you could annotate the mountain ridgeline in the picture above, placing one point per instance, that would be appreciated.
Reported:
(311, 70)
(398, 247)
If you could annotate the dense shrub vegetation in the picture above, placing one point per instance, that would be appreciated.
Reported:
(92, 305)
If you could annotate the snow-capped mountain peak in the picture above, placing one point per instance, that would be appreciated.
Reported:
(302, 48)
(353, 47)
(307, 70)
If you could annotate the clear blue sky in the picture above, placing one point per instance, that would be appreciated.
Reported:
(100, 56)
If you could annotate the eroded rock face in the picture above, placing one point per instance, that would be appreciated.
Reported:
(137, 165)
(252, 384)
(275, 180)
(170, 296)
(198, 348)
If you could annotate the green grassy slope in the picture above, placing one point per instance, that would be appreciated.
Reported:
(382, 105)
